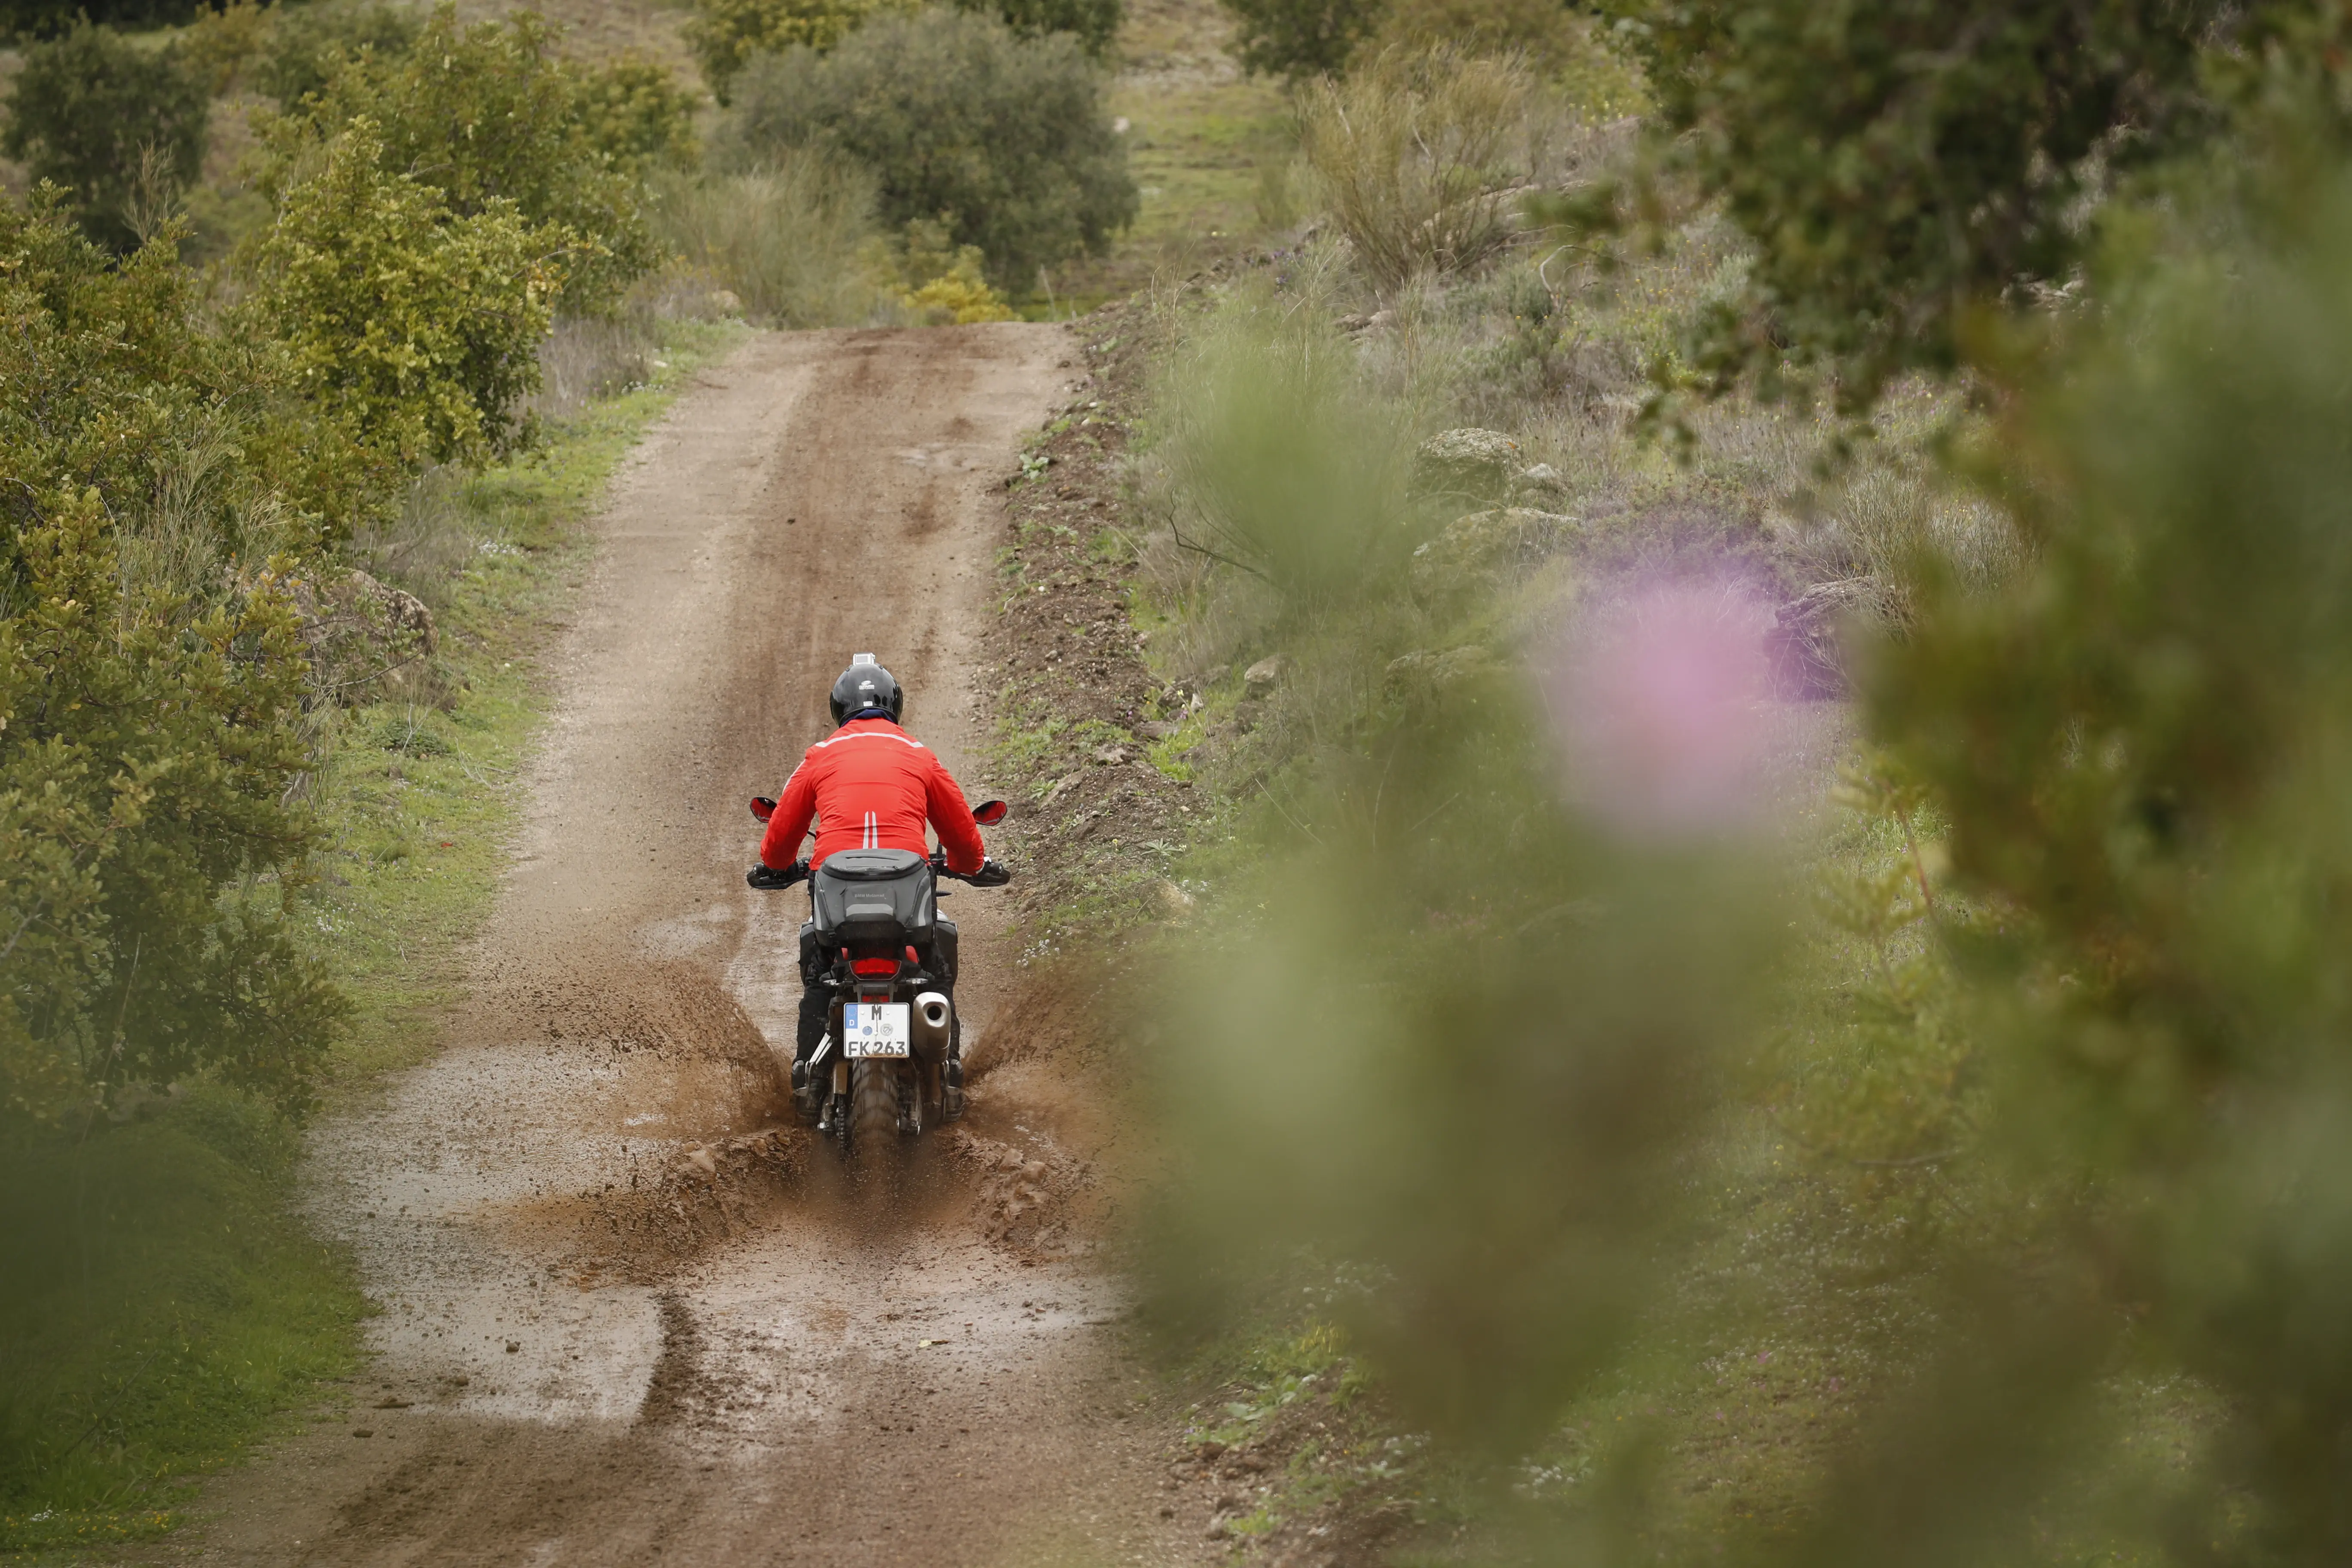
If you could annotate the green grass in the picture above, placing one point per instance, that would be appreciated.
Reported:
(162, 1307)
(1210, 152)
(423, 798)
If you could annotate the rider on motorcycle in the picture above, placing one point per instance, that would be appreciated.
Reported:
(870, 785)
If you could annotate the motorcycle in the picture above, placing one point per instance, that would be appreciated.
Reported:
(891, 1061)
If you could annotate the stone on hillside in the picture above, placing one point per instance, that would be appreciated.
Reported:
(1806, 642)
(1435, 672)
(402, 613)
(1471, 460)
(1260, 679)
(1483, 541)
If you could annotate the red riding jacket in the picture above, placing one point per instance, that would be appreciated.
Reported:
(871, 785)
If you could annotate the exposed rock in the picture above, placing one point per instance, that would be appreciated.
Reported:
(1157, 729)
(1433, 671)
(1468, 460)
(1541, 480)
(403, 613)
(1805, 641)
(1111, 755)
(1483, 541)
(1259, 681)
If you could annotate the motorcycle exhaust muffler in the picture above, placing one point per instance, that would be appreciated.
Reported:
(933, 1026)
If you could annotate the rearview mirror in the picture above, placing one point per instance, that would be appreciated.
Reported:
(762, 807)
(989, 812)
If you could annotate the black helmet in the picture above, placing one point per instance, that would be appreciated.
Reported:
(863, 685)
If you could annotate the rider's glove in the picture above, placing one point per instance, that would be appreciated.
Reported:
(764, 876)
(990, 875)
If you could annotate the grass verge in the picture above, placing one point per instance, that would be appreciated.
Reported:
(163, 1306)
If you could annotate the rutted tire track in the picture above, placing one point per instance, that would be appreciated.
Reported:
(594, 1348)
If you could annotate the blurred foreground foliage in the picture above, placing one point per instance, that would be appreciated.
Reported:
(2001, 1184)
(161, 1304)
(2142, 749)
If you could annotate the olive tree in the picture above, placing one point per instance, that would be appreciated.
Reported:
(1003, 138)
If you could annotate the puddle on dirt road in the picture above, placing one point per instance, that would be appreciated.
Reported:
(622, 1313)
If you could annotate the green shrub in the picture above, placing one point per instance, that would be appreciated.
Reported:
(726, 34)
(417, 325)
(1420, 154)
(489, 115)
(42, 18)
(635, 113)
(1094, 23)
(121, 127)
(1006, 140)
(220, 45)
(306, 46)
(935, 280)
(152, 681)
(1300, 38)
(1902, 168)
(1557, 42)
(786, 240)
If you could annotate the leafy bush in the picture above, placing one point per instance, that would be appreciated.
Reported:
(1300, 38)
(119, 126)
(306, 46)
(219, 44)
(1422, 155)
(1904, 166)
(635, 113)
(43, 18)
(786, 240)
(1005, 140)
(417, 325)
(1094, 23)
(726, 34)
(489, 115)
(934, 279)
(151, 679)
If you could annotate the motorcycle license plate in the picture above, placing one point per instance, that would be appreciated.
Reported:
(878, 1028)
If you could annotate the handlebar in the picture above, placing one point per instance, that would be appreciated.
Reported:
(767, 878)
(990, 874)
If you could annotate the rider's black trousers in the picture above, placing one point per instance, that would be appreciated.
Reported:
(816, 997)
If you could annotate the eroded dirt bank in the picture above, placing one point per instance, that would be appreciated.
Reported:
(597, 1344)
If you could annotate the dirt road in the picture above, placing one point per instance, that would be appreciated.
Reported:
(583, 1356)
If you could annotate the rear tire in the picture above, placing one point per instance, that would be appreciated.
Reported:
(873, 1114)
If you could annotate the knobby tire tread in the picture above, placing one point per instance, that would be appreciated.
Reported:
(873, 1113)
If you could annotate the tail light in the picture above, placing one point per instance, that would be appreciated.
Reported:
(874, 966)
